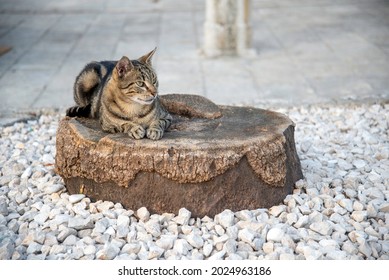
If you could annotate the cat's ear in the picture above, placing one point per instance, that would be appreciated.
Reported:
(123, 66)
(146, 59)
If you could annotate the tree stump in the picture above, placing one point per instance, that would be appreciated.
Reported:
(212, 158)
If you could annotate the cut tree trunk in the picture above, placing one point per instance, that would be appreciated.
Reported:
(212, 158)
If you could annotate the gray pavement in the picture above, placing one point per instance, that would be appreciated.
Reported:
(308, 51)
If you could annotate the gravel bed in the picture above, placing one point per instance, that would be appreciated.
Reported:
(339, 211)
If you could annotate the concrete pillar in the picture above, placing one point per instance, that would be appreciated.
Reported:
(226, 28)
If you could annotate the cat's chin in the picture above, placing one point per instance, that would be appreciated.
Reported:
(143, 102)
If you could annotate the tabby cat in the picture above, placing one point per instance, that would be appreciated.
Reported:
(123, 95)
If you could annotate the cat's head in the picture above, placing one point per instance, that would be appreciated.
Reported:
(136, 79)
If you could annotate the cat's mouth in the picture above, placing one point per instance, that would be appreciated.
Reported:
(146, 101)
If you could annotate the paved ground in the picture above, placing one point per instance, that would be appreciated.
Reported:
(308, 51)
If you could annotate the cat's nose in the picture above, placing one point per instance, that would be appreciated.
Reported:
(151, 88)
(154, 92)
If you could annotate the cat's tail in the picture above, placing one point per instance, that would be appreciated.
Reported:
(78, 111)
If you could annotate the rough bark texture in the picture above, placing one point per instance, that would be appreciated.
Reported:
(237, 158)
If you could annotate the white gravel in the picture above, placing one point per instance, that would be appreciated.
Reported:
(339, 211)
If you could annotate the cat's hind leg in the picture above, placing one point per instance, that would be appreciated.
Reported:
(87, 83)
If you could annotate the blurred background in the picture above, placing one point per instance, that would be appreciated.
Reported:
(306, 51)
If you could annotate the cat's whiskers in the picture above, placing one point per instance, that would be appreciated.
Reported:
(148, 101)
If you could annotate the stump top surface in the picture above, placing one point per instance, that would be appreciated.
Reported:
(237, 126)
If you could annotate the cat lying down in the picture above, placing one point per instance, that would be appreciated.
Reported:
(123, 95)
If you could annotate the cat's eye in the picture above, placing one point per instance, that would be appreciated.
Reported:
(140, 84)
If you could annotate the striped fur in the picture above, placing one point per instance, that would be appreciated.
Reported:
(123, 95)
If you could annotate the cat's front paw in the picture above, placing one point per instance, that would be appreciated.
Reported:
(137, 132)
(154, 133)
